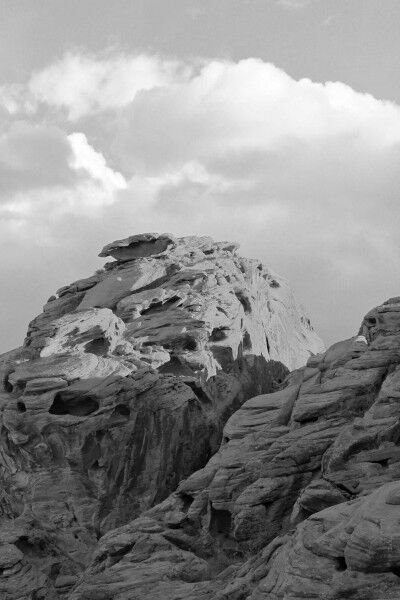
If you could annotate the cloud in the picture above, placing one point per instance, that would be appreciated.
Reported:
(44, 171)
(14, 99)
(236, 108)
(83, 85)
(303, 174)
(85, 158)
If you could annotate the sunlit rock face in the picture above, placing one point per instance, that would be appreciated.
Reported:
(121, 390)
(301, 501)
(189, 304)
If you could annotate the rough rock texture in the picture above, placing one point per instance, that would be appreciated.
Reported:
(301, 502)
(121, 391)
(189, 304)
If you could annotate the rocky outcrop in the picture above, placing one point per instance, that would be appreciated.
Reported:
(121, 391)
(302, 500)
(186, 304)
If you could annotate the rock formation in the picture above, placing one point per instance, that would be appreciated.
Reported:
(121, 391)
(301, 502)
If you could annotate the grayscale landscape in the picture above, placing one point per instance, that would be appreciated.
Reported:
(200, 309)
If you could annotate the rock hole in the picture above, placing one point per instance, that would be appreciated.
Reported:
(65, 403)
(396, 571)
(274, 284)
(29, 548)
(340, 563)
(218, 334)
(220, 521)
(98, 346)
(189, 343)
(21, 406)
(187, 501)
(309, 420)
(371, 321)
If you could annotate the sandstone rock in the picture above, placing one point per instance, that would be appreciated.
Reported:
(138, 246)
(301, 501)
(196, 301)
(95, 331)
(121, 391)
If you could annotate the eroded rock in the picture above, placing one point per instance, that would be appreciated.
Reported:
(302, 500)
(121, 391)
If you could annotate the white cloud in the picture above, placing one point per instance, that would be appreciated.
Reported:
(44, 171)
(84, 85)
(303, 174)
(247, 106)
(84, 157)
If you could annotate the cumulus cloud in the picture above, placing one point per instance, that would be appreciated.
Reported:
(245, 107)
(84, 85)
(41, 164)
(304, 174)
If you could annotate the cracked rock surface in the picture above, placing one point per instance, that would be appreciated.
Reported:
(301, 501)
(121, 391)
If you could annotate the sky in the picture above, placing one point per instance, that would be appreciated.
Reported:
(273, 123)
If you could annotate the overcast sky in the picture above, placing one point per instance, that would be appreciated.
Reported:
(275, 123)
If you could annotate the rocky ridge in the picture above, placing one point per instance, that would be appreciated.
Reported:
(121, 391)
(302, 500)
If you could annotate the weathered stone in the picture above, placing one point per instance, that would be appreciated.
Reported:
(301, 501)
(120, 392)
(138, 246)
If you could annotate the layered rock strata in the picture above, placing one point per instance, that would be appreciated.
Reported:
(121, 391)
(301, 502)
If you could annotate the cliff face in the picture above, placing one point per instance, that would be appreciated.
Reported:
(301, 501)
(121, 391)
